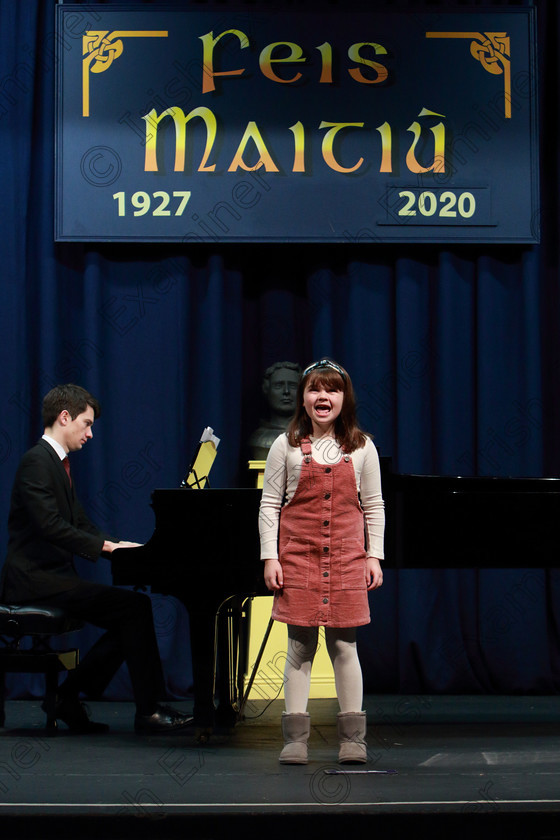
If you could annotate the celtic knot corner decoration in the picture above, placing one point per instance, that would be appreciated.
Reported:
(100, 49)
(492, 50)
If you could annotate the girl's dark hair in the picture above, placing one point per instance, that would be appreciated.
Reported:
(73, 398)
(346, 429)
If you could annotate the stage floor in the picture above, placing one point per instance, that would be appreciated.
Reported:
(476, 766)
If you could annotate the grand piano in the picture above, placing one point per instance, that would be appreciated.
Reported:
(205, 552)
(461, 522)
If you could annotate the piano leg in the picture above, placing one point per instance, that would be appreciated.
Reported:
(203, 653)
(219, 651)
(231, 658)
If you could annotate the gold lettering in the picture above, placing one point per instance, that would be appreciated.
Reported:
(326, 63)
(180, 120)
(386, 146)
(355, 55)
(252, 133)
(266, 60)
(209, 42)
(328, 144)
(299, 147)
(438, 164)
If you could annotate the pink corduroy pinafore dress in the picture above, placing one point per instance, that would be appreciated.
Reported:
(321, 549)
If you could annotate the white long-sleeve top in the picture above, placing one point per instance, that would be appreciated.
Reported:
(281, 476)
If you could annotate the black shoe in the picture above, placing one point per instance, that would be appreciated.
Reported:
(75, 715)
(164, 719)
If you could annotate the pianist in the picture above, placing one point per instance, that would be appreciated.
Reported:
(46, 527)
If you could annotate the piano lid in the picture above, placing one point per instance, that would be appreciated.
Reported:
(471, 521)
(205, 545)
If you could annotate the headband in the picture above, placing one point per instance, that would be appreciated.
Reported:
(324, 363)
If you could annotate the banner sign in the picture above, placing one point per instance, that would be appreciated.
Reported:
(179, 125)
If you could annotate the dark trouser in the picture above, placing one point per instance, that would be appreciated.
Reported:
(130, 637)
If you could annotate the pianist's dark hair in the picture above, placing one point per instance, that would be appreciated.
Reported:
(73, 398)
(346, 429)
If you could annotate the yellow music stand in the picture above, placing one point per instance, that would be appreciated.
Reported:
(198, 472)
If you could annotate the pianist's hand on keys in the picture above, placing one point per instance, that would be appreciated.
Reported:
(109, 546)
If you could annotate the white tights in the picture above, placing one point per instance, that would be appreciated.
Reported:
(343, 653)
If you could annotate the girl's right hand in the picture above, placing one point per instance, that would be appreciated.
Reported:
(273, 576)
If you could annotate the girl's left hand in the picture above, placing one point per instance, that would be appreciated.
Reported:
(374, 573)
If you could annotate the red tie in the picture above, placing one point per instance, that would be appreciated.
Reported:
(66, 465)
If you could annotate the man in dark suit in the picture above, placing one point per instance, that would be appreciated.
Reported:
(47, 526)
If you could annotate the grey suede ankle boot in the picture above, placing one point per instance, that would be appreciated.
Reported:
(351, 728)
(295, 729)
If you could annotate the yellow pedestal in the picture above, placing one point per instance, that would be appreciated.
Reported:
(269, 679)
(258, 469)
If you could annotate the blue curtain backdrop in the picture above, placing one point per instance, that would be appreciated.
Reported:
(454, 352)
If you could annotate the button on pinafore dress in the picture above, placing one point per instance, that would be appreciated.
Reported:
(322, 549)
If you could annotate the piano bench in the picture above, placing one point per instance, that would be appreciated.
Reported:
(40, 624)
